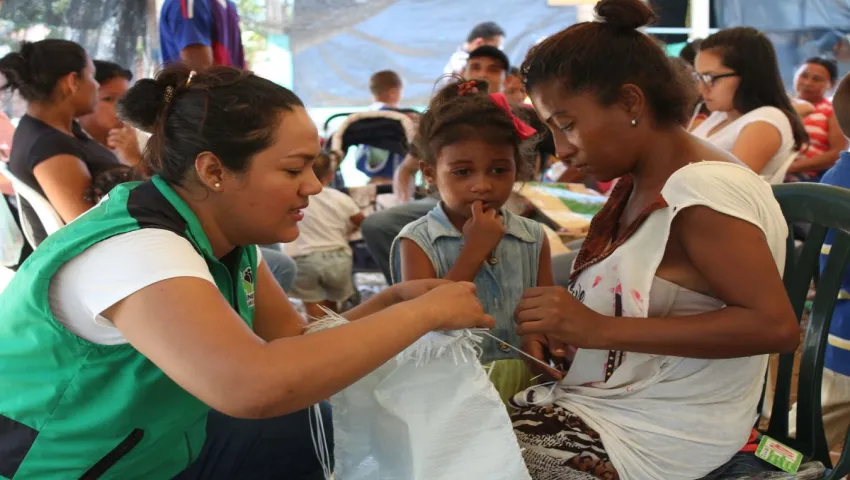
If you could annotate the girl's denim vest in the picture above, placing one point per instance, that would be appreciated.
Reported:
(499, 285)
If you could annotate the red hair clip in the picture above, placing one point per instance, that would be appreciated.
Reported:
(467, 87)
(523, 129)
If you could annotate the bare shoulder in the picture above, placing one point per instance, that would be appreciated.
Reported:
(802, 107)
(706, 151)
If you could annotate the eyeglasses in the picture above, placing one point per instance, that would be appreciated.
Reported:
(708, 80)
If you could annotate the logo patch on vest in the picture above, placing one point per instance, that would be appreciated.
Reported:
(248, 286)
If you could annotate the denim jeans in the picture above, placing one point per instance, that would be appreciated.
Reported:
(271, 448)
(743, 464)
(282, 266)
(380, 228)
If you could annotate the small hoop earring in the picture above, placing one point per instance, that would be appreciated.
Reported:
(634, 122)
(217, 185)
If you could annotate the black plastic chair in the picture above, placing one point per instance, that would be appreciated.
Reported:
(824, 207)
(363, 260)
(385, 129)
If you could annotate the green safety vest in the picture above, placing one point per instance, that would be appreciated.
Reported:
(73, 409)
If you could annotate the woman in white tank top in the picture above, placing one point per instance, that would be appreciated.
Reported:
(675, 297)
(752, 117)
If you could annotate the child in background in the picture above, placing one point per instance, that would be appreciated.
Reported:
(470, 148)
(514, 89)
(387, 89)
(321, 251)
(379, 164)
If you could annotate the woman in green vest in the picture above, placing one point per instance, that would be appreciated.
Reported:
(126, 327)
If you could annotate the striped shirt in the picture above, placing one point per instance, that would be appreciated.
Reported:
(817, 126)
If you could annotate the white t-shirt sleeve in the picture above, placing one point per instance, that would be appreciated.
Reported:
(114, 269)
(772, 116)
(347, 205)
(732, 190)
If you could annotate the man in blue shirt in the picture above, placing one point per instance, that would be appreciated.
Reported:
(201, 33)
(835, 395)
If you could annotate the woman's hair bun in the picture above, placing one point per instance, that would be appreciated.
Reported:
(142, 104)
(15, 66)
(27, 50)
(626, 14)
(16, 70)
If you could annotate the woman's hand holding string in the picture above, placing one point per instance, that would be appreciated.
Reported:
(556, 314)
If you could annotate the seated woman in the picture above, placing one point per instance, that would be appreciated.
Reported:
(675, 297)
(64, 167)
(51, 153)
(752, 116)
(178, 317)
(815, 78)
(103, 124)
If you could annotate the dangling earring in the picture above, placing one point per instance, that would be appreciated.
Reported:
(634, 122)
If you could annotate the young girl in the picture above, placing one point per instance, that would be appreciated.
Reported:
(469, 145)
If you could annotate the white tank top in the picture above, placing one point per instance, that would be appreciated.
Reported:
(663, 417)
(666, 299)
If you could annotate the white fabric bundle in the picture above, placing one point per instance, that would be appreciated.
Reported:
(429, 414)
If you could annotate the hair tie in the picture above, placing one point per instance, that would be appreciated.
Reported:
(191, 76)
(523, 129)
(169, 94)
(467, 87)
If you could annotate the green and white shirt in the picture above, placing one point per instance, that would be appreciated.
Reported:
(71, 406)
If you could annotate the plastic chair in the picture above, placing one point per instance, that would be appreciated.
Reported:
(824, 207)
(362, 257)
(50, 220)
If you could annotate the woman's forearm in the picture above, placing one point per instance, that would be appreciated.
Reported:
(468, 264)
(382, 300)
(817, 163)
(730, 332)
(293, 373)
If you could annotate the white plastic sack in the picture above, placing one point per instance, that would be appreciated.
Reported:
(11, 237)
(429, 414)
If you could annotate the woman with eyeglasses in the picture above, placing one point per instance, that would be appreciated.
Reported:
(751, 115)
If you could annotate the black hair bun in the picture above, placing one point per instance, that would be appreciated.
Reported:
(15, 66)
(142, 104)
(625, 14)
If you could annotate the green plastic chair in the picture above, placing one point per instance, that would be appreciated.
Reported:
(824, 207)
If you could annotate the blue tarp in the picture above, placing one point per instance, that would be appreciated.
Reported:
(799, 29)
(415, 38)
